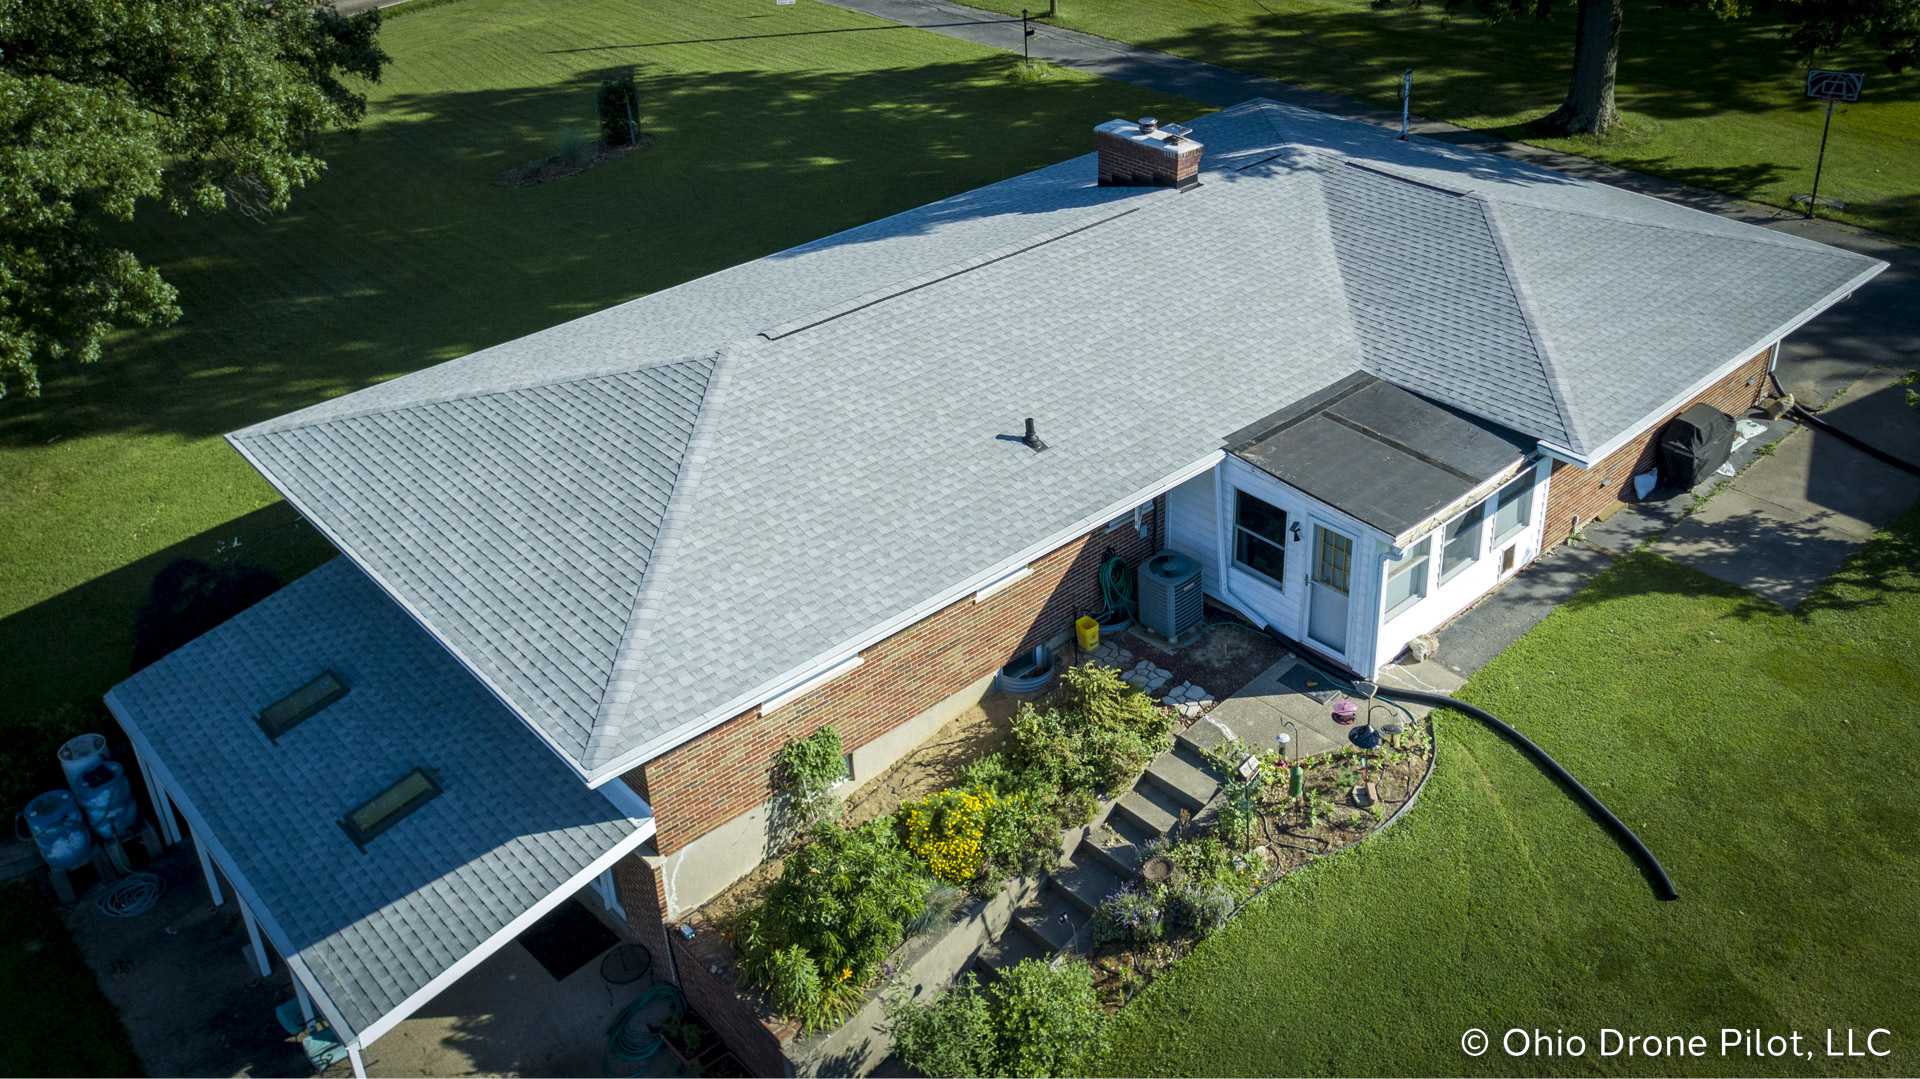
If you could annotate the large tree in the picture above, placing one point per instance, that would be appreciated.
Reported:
(1812, 27)
(197, 105)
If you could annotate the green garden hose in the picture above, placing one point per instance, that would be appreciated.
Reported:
(636, 1049)
(1116, 585)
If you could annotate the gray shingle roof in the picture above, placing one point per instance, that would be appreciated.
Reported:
(512, 825)
(846, 465)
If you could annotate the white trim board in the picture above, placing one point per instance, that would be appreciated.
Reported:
(250, 899)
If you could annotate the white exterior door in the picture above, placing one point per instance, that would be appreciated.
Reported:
(1330, 576)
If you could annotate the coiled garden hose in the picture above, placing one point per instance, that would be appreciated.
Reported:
(131, 896)
(1116, 584)
(636, 1049)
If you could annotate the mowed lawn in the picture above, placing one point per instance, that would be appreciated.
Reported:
(775, 125)
(1767, 759)
(1718, 104)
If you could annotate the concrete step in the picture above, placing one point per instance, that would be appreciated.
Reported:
(1051, 921)
(1184, 774)
(1121, 845)
(1151, 808)
(1008, 950)
(1088, 882)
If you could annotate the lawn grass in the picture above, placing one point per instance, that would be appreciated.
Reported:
(1713, 103)
(775, 125)
(1766, 758)
(57, 1020)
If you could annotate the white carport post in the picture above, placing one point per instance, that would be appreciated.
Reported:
(162, 812)
(253, 935)
(359, 1069)
(300, 994)
(213, 878)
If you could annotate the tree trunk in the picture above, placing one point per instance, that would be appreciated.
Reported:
(1589, 109)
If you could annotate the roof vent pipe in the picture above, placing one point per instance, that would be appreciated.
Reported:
(1032, 437)
(1148, 125)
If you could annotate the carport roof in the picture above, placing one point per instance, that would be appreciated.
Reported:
(375, 931)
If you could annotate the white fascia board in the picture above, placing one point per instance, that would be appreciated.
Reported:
(626, 801)
(1770, 340)
(340, 544)
(505, 935)
(827, 660)
(203, 836)
(992, 588)
(1486, 489)
(808, 685)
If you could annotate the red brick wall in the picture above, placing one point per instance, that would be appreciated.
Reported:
(643, 896)
(1122, 162)
(1588, 491)
(755, 1036)
(727, 771)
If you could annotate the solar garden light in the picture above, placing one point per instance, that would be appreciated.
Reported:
(1392, 731)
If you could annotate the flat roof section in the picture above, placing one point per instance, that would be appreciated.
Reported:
(1384, 456)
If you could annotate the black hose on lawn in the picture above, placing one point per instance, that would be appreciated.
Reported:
(1662, 883)
(1800, 414)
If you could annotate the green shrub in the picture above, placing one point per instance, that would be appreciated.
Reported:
(618, 106)
(1046, 1022)
(1129, 916)
(793, 981)
(1200, 907)
(941, 905)
(844, 901)
(806, 770)
(1099, 739)
(951, 1035)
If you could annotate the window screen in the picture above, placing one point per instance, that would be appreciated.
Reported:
(1514, 507)
(1260, 537)
(291, 710)
(1462, 542)
(1407, 577)
(389, 807)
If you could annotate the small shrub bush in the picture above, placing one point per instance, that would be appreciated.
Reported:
(1129, 916)
(793, 981)
(950, 1035)
(806, 770)
(945, 831)
(618, 106)
(572, 147)
(941, 905)
(1201, 908)
(1105, 733)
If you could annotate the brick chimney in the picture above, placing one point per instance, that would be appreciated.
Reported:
(1145, 154)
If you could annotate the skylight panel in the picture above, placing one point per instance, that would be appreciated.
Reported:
(295, 708)
(389, 807)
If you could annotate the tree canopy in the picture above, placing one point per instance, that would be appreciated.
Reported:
(197, 105)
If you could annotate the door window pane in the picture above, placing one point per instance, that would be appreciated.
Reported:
(1407, 577)
(1260, 537)
(1514, 507)
(1462, 542)
(1336, 560)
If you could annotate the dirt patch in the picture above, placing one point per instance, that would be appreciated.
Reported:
(552, 168)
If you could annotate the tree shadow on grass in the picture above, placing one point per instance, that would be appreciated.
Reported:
(405, 254)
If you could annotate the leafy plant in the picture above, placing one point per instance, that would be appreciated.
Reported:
(1046, 1021)
(1103, 735)
(806, 770)
(1201, 907)
(843, 901)
(618, 106)
(684, 1031)
(951, 1035)
(1028, 71)
(942, 904)
(1129, 915)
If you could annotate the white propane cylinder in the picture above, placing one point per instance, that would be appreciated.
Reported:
(81, 755)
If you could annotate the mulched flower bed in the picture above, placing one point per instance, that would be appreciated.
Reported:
(1288, 835)
(552, 168)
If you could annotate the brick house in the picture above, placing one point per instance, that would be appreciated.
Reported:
(593, 579)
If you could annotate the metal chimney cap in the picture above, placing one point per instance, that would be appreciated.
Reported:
(1148, 125)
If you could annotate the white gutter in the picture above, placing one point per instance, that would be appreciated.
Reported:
(840, 653)
(204, 836)
(1674, 403)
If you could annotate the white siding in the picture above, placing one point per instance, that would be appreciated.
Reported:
(1443, 601)
(1190, 527)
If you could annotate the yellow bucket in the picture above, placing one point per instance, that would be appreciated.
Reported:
(1089, 631)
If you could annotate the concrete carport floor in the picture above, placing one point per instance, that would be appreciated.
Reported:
(193, 1004)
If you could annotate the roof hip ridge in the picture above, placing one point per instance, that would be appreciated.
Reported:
(271, 427)
(1753, 233)
(1559, 388)
(616, 698)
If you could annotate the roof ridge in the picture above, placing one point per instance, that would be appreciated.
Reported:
(942, 273)
(617, 697)
(271, 427)
(1755, 234)
(1559, 389)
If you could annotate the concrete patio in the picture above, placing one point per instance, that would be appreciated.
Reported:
(1278, 700)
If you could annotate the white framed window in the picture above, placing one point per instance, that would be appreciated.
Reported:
(1513, 507)
(1407, 576)
(1260, 538)
(1461, 542)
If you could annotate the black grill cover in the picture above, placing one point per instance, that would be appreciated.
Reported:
(1694, 444)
